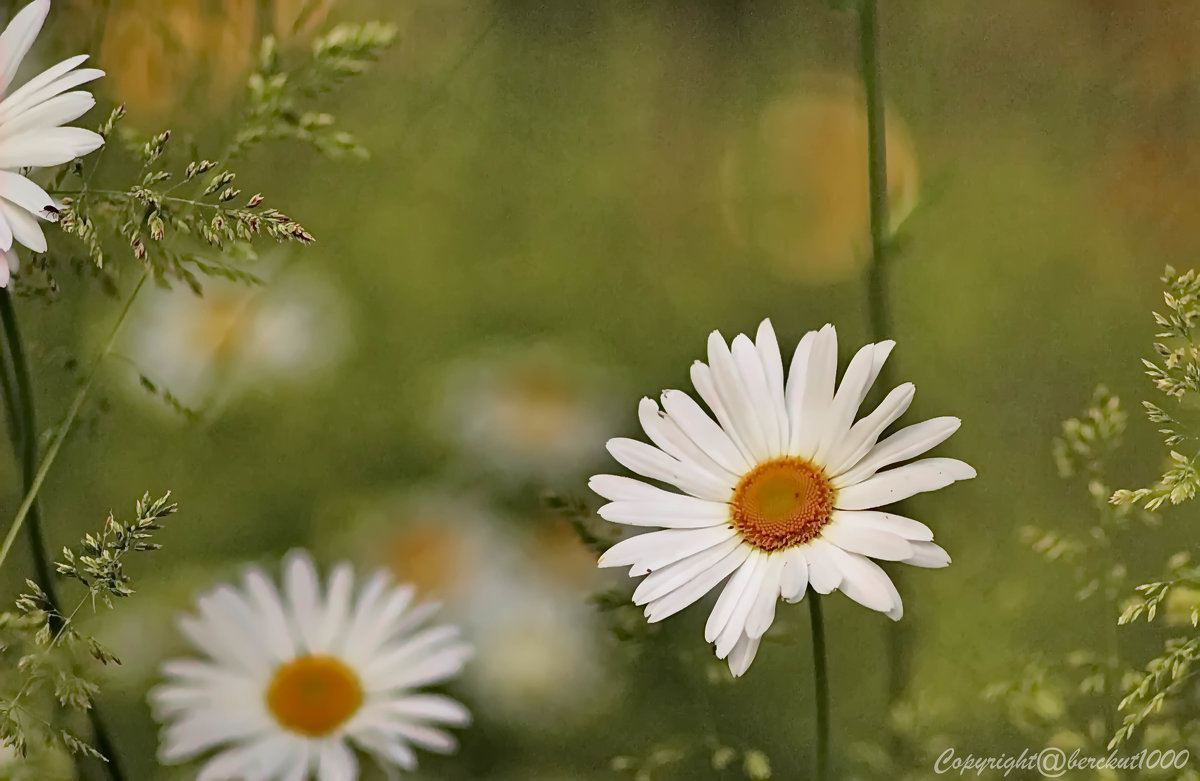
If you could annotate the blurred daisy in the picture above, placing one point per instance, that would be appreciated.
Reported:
(440, 541)
(532, 414)
(545, 661)
(292, 682)
(32, 133)
(209, 349)
(795, 189)
(778, 492)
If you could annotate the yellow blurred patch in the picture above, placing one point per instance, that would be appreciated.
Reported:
(161, 56)
(795, 185)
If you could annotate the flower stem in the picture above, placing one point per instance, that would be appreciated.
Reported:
(25, 442)
(899, 644)
(18, 397)
(820, 685)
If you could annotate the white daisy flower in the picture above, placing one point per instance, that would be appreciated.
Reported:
(293, 681)
(32, 133)
(529, 413)
(210, 350)
(779, 492)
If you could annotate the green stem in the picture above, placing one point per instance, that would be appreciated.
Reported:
(22, 407)
(899, 643)
(19, 402)
(64, 428)
(820, 684)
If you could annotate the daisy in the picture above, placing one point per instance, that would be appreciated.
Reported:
(529, 413)
(31, 132)
(209, 351)
(292, 681)
(779, 492)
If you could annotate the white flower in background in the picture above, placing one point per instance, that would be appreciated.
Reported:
(529, 413)
(513, 590)
(778, 492)
(293, 681)
(207, 350)
(545, 652)
(31, 132)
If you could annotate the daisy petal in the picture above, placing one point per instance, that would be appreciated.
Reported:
(742, 655)
(793, 581)
(897, 484)
(904, 444)
(869, 542)
(652, 550)
(18, 38)
(929, 555)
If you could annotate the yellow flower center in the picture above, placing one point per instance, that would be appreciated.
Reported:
(314, 695)
(782, 503)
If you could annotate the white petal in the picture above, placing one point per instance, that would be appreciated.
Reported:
(46, 85)
(762, 614)
(869, 542)
(735, 397)
(866, 583)
(897, 484)
(276, 634)
(6, 236)
(652, 550)
(697, 587)
(18, 37)
(793, 581)
(53, 146)
(56, 111)
(432, 707)
(772, 361)
(616, 488)
(754, 380)
(743, 654)
(823, 574)
(865, 433)
(665, 580)
(336, 762)
(335, 613)
(429, 738)
(730, 595)
(797, 379)
(649, 461)
(7, 266)
(929, 555)
(741, 611)
(906, 443)
(815, 391)
(666, 433)
(704, 432)
(25, 228)
(842, 411)
(24, 193)
(686, 512)
(706, 387)
(877, 520)
(302, 591)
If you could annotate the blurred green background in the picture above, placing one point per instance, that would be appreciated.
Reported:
(563, 199)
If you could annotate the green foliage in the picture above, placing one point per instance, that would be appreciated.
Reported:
(47, 647)
(277, 96)
(1177, 375)
(183, 215)
(667, 760)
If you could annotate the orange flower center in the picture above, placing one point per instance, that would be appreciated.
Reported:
(782, 503)
(314, 695)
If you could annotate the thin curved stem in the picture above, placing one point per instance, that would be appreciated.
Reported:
(899, 641)
(19, 401)
(26, 444)
(820, 685)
